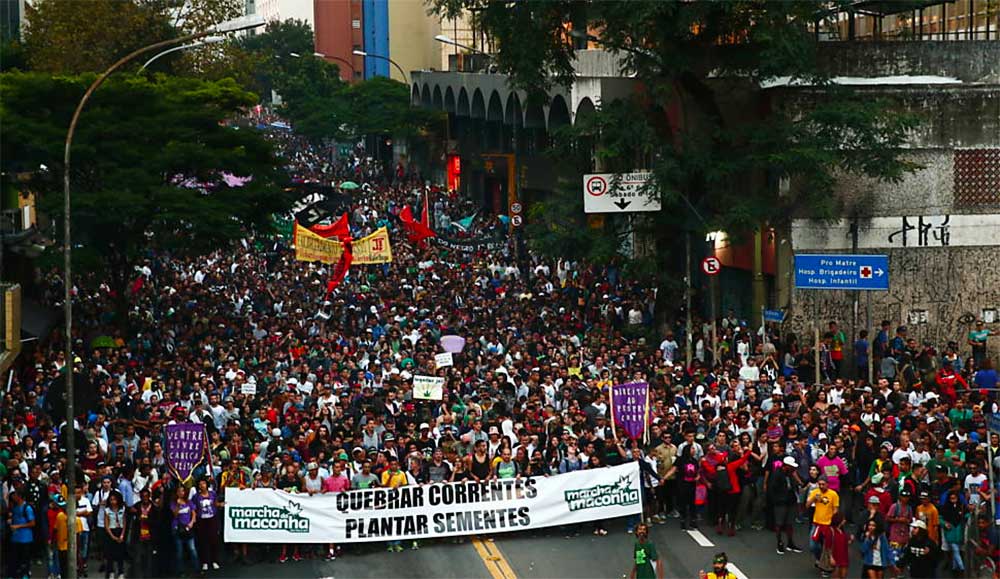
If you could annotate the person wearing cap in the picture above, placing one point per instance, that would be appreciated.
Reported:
(782, 499)
(899, 518)
(921, 554)
(927, 512)
(393, 478)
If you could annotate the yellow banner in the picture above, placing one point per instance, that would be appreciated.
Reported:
(374, 248)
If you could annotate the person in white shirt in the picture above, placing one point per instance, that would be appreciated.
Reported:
(750, 372)
(669, 348)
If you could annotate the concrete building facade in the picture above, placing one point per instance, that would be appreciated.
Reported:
(940, 225)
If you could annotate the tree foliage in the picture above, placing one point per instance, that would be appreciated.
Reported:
(73, 37)
(149, 162)
(69, 37)
(717, 142)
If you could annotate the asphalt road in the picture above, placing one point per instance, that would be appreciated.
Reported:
(549, 554)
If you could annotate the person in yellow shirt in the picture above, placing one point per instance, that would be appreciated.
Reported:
(826, 503)
(720, 569)
(393, 478)
(62, 534)
(928, 513)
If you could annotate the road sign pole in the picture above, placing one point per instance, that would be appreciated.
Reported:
(816, 340)
(713, 284)
(871, 338)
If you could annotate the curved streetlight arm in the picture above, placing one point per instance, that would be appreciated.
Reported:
(406, 79)
(67, 266)
(448, 40)
(206, 41)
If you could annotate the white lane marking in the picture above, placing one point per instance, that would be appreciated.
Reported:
(736, 571)
(701, 539)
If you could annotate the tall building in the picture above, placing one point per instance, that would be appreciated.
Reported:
(11, 13)
(337, 26)
(400, 30)
(281, 10)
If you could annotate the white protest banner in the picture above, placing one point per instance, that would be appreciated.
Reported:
(428, 387)
(443, 360)
(248, 388)
(435, 510)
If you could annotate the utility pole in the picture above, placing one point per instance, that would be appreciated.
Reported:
(687, 295)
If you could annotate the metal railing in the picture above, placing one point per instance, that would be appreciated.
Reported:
(978, 565)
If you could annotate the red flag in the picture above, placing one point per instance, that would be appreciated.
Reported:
(425, 217)
(138, 283)
(416, 231)
(340, 229)
(340, 271)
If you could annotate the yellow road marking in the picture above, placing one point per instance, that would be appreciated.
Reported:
(493, 558)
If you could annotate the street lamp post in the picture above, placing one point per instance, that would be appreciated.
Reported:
(379, 56)
(325, 56)
(203, 42)
(445, 39)
(70, 441)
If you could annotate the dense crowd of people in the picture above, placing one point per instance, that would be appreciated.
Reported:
(890, 474)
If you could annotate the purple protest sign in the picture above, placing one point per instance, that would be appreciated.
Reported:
(185, 446)
(630, 407)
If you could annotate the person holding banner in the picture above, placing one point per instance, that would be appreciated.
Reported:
(393, 478)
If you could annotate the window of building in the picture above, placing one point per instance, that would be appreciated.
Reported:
(977, 177)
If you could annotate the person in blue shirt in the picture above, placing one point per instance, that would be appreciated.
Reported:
(861, 353)
(21, 522)
(986, 376)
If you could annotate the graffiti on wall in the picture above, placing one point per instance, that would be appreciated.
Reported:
(938, 292)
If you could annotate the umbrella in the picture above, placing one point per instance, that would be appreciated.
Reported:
(349, 185)
(453, 344)
(102, 342)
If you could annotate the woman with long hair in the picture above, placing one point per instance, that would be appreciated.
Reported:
(207, 527)
(185, 515)
(115, 525)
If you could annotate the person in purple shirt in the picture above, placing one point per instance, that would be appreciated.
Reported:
(832, 466)
(206, 529)
(185, 514)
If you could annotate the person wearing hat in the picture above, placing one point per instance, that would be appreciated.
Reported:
(394, 477)
(928, 513)
(782, 499)
(899, 518)
(920, 554)
(879, 491)
(61, 532)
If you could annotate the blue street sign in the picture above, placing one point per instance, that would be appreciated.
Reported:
(774, 316)
(842, 272)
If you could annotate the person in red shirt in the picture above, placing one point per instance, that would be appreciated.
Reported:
(838, 542)
(947, 381)
(727, 485)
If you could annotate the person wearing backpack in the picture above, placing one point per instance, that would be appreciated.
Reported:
(21, 523)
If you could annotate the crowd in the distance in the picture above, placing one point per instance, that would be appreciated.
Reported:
(739, 438)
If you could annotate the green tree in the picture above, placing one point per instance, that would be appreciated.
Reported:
(150, 160)
(70, 37)
(717, 143)
(73, 37)
(270, 52)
